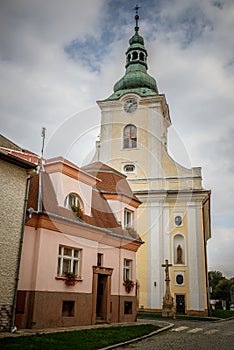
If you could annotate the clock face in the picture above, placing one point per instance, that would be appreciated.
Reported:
(178, 220)
(130, 105)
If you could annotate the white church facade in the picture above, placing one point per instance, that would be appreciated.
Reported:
(174, 217)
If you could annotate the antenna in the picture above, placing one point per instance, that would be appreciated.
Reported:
(43, 134)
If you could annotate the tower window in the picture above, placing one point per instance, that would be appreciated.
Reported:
(142, 56)
(130, 136)
(129, 58)
(135, 55)
(129, 168)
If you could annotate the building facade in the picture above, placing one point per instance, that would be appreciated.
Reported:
(78, 263)
(174, 218)
(14, 173)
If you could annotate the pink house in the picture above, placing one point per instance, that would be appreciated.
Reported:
(81, 221)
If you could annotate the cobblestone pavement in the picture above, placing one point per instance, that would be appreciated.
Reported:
(190, 335)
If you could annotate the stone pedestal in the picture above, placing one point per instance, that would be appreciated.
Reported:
(168, 309)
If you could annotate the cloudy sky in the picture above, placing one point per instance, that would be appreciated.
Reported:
(57, 58)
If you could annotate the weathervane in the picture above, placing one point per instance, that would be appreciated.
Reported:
(136, 8)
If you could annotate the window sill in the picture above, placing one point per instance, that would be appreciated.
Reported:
(62, 278)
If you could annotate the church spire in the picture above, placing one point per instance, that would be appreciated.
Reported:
(137, 17)
(136, 78)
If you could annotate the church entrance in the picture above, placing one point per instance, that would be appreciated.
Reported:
(180, 303)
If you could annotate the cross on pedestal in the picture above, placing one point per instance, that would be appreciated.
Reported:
(168, 309)
(166, 265)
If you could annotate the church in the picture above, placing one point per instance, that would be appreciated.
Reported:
(174, 217)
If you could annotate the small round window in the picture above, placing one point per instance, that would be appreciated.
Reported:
(129, 168)
(179, 279)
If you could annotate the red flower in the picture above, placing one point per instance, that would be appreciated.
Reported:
(70, 278)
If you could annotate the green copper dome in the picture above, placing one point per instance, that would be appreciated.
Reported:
(136, 79)
(136, 39)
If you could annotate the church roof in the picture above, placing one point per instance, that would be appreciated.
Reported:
(136, 79)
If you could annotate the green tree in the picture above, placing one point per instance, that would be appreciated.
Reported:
(222, 290)
(214, 278)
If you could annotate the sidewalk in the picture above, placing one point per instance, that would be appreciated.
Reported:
(26, 332)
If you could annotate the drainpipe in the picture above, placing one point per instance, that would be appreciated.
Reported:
(120, 270)
(12, 324)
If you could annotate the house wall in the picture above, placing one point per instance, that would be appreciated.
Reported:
(63, 185)
(39, 309)
(12, 194)
(41, 292)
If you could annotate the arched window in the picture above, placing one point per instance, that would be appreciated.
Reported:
(142, 56)
(129, 58)
(130, 136)
(72, 200)
(135, 55)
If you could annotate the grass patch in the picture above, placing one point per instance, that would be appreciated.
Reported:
(88, 339)
(222, 313)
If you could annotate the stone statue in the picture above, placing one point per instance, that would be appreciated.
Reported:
(168, 309)
(179, 255)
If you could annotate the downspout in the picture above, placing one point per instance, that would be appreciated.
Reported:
(120, 270)
(12, 324)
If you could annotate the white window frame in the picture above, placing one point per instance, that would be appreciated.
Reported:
(130, 142)
(128, 214)
(127, 269)
(73, 259)
(72, 199)
(125, 170)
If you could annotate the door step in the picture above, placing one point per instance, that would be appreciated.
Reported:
(100, 320)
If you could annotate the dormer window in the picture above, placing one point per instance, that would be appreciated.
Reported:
(72, 200)
(74, 203)
(128, 218)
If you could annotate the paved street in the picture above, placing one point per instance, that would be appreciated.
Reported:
(190, 335)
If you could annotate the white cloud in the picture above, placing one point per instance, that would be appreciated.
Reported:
(220, 251)
(190, 49)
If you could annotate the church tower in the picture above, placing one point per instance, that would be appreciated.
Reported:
(174, 217)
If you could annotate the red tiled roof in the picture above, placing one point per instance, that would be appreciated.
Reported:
(30, 157)
(112, 180)
(102, 215)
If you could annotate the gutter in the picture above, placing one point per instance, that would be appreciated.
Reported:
(109, 232)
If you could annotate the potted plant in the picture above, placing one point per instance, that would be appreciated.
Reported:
(78, 211)
(71, 278)
(129, 285)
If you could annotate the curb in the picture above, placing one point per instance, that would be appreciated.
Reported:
(170, 325)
